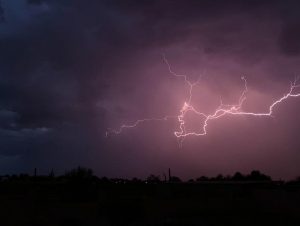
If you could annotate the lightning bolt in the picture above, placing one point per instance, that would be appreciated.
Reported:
(135, 124)
(221, 111)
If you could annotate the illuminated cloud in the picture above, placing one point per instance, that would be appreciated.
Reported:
(78, 67)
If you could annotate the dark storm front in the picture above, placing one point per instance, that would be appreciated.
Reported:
(69, 70)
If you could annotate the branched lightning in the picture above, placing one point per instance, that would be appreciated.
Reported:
(136, 123)
(221, 110)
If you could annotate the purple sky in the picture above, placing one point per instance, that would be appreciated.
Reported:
(71, 69)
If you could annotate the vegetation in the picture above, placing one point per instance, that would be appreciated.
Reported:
(80, 198)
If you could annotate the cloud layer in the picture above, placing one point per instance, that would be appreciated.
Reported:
(71, 69)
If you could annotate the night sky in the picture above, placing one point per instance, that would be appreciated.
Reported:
(71, 69)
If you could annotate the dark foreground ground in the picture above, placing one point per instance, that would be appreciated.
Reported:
(53, 202)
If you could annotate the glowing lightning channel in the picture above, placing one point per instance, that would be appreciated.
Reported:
(222, 109)
(136, 123)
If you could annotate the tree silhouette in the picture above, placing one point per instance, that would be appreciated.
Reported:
(220, 177)
(238, 176)
(256, 175)
(202, 178)
(80, 174)
(153, 179)
(175, 179)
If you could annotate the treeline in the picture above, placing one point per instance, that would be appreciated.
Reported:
(255, 175)
(82, 174)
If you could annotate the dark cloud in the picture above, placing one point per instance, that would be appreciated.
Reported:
(289, 39)
(70, 69)
(35, 2)
(2, 18)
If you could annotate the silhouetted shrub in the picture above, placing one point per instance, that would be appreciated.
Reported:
(238, 177)
(219, 177)
(255, 175)
(202, 178)
(153, 179)
(175, 179)
(80, 174)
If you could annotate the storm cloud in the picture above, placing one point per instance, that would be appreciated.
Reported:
(71, 69)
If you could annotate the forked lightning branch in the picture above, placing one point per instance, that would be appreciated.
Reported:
(221, 111)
